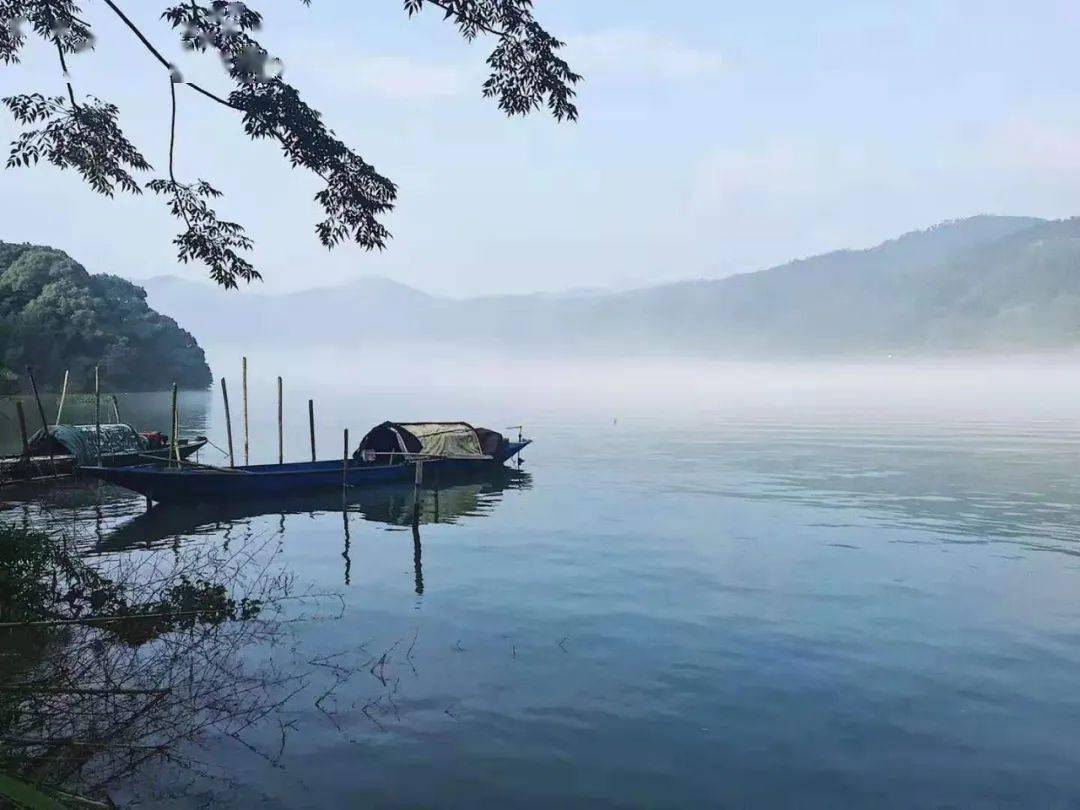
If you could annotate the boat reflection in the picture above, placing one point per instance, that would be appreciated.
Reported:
(447, 501)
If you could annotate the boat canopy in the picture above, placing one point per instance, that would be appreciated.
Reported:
(442, 439)
(80, 441)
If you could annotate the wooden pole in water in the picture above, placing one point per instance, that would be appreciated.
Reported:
(63, 396)
(41, 413)
(416, 493)
(246, 462)
(22, 427)
(311, 425)
(345, 463)
(228, 421)
(97, 411)
(174, 447)
(37, 398)
(280, 426)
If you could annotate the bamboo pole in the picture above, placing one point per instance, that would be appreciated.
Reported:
(97, 411)
(311, 425)
(345, 463)
(228, 421)
(246, 462)
(22, 427)
(416, 490)
(174, 442)
(41, 413)
(37, 398)
(63, 396)
(280, 426)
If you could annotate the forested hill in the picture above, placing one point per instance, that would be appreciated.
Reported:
(55, 316)
(983, 284)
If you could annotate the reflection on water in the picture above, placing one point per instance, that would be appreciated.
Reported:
(109, 520)
(90, 701)
(789, 598)
(392, 505)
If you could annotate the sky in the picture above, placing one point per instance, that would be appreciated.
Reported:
(714, 138)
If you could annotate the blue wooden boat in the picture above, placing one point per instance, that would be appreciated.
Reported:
(389, 452)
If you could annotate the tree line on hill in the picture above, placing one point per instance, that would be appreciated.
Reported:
(56, 317)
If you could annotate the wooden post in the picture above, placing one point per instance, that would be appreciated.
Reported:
(345, 463)
(311, 425)
(246, 462)
(416, 492)
(41, 413)
(115, 408)
(174, 442)
(97, 411)
(228, 421)
(37, 398)
(63, 396)
(22, 427)
(280, 426)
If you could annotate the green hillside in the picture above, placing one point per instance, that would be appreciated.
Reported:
(55, 316)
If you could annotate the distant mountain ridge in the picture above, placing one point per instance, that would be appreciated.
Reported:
(986, 283)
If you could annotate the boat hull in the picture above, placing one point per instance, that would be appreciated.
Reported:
(18, 468)
(165, 484)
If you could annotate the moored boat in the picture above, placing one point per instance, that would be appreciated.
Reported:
(63, 449)
(389, 452)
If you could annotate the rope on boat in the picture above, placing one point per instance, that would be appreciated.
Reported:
(199, 466)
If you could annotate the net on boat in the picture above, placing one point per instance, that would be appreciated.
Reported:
(80, 441)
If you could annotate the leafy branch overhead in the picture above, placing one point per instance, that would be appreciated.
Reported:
(526, 74)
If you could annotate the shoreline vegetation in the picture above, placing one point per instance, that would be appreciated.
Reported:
(95, 683)
(58, 317)
(115, 670)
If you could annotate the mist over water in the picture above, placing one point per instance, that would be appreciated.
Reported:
(713, 583)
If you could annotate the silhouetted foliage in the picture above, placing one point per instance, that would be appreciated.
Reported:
(57, 316)
(526, 74)
(85, 138)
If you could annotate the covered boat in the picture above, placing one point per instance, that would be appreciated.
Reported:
(432, 439)
(63, 448)
(390, 452)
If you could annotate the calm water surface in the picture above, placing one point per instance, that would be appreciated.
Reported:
(715, 587)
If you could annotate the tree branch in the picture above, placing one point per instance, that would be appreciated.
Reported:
(172, 127)
(142, 38)
(157, 54)
(212, 97)
(67, 76)
(474, 21)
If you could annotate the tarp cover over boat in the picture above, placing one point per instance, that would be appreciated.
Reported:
(80, 441)
(442, 439)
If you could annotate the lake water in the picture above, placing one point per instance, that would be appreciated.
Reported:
(708, 584)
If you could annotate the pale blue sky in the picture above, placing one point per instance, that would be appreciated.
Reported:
(714, 138)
